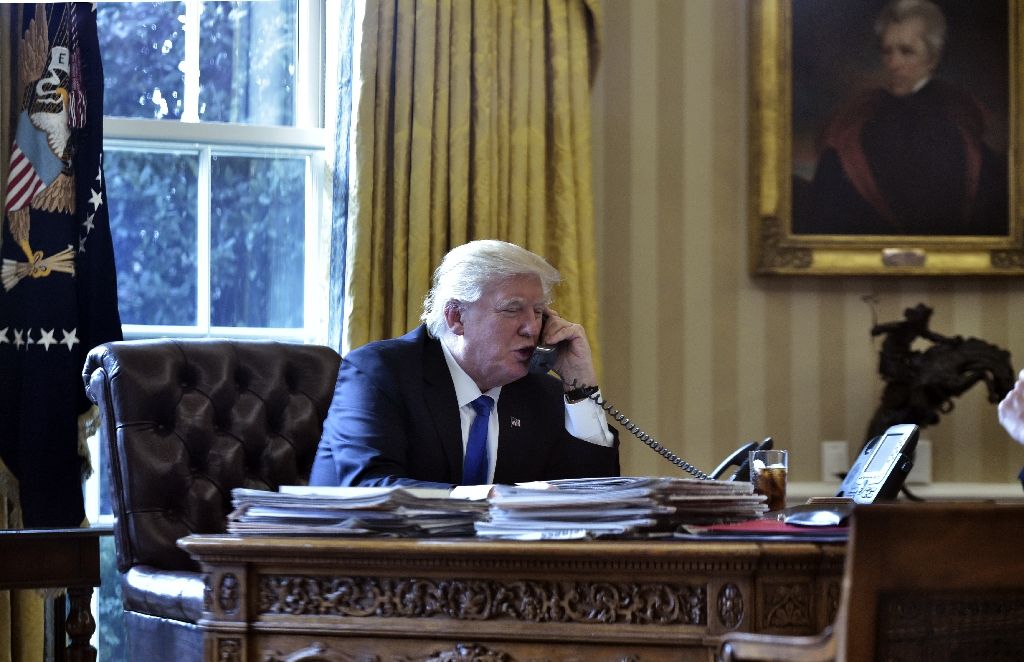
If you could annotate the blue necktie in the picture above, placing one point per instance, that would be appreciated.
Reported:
(474, 466)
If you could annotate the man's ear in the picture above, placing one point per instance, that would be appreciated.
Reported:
(453, 311)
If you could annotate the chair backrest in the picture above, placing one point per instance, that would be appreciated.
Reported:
(934, 581)
(183, 422)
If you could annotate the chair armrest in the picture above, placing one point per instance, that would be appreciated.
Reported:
(750, 646)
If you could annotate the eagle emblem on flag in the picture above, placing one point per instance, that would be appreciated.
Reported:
(40, 174)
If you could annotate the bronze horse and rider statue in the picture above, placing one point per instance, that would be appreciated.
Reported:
(920, 386)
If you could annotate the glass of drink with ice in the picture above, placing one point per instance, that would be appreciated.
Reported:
(768, 475)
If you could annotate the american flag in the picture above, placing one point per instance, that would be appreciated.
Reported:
(22, 183)
(58, 286)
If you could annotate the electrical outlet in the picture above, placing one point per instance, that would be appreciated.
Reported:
(921, 473)
(834, 460)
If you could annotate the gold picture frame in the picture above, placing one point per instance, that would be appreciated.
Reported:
(776, 249)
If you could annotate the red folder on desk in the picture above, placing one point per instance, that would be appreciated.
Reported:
(769, 529)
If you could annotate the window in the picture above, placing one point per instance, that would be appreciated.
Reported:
(214, 159)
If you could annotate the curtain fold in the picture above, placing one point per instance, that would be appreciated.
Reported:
(470, 120)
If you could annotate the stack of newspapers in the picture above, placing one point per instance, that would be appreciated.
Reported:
(615, 507)
(359, 511)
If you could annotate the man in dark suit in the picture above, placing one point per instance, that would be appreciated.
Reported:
(403, 409)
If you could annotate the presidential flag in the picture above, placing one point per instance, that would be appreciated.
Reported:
(58, 290)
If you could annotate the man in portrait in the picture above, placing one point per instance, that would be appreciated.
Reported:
(909, 156)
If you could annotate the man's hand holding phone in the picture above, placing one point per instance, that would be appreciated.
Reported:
(574, 361)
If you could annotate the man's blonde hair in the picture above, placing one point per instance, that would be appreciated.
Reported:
(467, 270)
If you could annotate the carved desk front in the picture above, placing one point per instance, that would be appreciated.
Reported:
(398, 600)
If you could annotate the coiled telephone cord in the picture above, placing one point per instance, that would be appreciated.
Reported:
(635, 430)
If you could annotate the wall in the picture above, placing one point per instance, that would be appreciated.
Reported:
(699, 353)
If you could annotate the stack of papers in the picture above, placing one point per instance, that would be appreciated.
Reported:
(616, 507)
(338, 511)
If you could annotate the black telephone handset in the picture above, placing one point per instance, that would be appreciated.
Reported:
(740, 458)
(543, 359)
(882, 466)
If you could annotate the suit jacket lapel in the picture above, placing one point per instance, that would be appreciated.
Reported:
(439, 393)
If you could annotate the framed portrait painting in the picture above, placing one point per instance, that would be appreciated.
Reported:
(885, 137)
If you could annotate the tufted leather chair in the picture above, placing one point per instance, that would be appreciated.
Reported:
(184, 422)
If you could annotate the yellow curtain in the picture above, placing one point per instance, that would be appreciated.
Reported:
(471, 120)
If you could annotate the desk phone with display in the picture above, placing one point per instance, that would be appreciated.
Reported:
(882, 466)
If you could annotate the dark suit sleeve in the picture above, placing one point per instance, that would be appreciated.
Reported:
(576, 458)
(537, 446)
(368, 432)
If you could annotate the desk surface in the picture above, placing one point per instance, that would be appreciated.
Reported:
(274, 597)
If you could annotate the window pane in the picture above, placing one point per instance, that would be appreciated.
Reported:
(247, 57)
(153, 222)
(113, 644)
(247, 62)
(142, 44)
(257, 231)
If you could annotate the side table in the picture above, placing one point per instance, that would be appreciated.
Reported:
(57, 558)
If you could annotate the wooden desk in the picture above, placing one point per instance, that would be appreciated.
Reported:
(277, 599)
(57, 558)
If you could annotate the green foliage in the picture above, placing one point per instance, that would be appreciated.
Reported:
(257, 241)
(247, 60)
(151, 198)
(113, 644)
(142, 44)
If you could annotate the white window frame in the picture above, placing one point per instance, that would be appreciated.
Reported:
(307, 139)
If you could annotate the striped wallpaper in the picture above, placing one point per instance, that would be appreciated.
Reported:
(699, 353)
